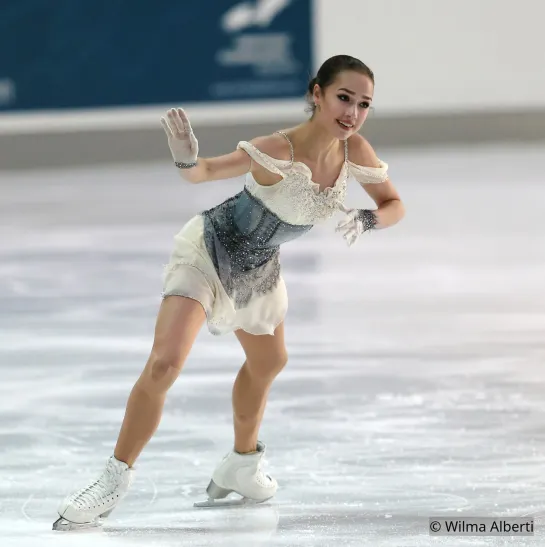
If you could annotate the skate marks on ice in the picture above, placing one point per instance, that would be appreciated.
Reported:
(392, 451)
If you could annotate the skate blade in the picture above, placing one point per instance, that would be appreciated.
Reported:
(63, 525)
(219, 504)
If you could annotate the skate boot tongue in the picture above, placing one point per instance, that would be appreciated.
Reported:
(103, 486)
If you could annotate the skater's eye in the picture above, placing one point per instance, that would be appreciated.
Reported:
(344, 97)
(365, 104)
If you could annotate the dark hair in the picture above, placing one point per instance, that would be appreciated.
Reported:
(331, 68)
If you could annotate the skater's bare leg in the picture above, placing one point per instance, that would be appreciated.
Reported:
(178, 323)
(240, 470)
(266, 356)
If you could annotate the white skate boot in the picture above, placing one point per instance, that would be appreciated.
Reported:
(85, 508)
(241, 474)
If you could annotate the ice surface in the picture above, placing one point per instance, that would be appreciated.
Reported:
(415, 385)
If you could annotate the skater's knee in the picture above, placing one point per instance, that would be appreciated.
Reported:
(162, 371)
(267, 367)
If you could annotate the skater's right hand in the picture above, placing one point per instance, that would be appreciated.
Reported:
(355, 223)
(181, 140)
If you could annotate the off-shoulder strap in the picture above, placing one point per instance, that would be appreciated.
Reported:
(292, 153)
(369, 175)
(272, 164)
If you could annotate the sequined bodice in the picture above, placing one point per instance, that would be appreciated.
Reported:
(243, 237)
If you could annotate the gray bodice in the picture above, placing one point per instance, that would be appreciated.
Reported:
(243, 237)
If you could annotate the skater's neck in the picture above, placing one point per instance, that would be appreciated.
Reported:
(314, 142)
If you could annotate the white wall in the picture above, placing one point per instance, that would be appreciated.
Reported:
(441, 55)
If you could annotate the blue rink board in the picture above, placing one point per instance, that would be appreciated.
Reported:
(85, 54)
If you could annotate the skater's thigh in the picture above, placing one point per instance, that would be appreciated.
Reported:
(178, 323)
(266, 355)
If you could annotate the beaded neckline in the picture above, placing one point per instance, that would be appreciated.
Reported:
(293, 162)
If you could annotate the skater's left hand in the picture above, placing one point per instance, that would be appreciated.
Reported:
(356, 222)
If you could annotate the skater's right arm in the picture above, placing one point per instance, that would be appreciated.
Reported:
(185, 151)
(231, 165)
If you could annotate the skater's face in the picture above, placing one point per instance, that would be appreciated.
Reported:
(343, 106)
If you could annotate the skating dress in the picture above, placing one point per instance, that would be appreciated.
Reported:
(227, 257)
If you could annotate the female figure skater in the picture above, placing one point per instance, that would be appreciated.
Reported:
(225, 270)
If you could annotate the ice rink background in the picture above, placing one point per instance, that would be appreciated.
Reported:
(415, 382)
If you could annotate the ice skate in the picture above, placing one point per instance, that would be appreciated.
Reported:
(240, 474)
(87, 507)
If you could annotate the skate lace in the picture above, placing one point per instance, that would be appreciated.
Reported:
(96, 492)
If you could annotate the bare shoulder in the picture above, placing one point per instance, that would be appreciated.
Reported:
(275, 146)
(361, 152)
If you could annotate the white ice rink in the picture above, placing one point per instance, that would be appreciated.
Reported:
(416, 381)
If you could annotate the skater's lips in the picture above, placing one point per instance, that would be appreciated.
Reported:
(345, 124)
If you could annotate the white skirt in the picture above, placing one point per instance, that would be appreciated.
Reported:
(191, 273)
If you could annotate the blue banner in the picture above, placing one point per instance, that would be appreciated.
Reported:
(65, 54)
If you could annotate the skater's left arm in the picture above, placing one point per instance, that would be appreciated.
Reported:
(390, 209)
(371, 173)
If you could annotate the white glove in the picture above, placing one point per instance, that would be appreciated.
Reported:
(357, 222)
(181, 140)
